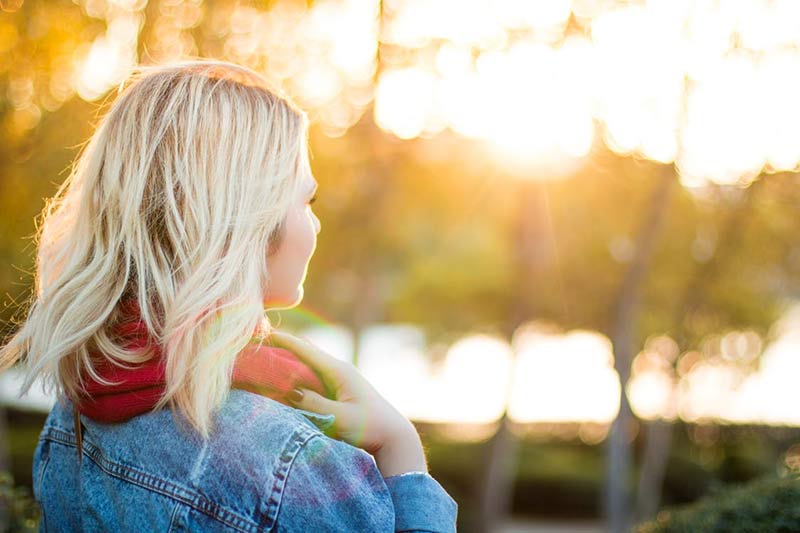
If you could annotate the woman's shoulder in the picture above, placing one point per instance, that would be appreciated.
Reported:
(254, 421)
(253, 429)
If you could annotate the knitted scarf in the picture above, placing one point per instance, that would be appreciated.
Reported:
(265, 370)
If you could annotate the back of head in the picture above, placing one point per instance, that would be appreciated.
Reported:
(172, 204)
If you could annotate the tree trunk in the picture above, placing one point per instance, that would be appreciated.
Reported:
(654, 466)
(498, 477)
(623, 331)
(659, 435)
(534, 251)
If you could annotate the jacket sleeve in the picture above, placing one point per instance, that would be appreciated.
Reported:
(333, 486)
(420, 503)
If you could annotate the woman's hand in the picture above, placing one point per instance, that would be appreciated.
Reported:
(363, 417)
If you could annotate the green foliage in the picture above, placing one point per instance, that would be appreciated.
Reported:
(767, 504)
(20, 509)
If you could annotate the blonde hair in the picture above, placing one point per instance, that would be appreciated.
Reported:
(173, 203)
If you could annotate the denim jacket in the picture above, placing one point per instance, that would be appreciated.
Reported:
(266, 467)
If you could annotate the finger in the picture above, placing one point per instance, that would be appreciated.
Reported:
(316, 403)
(325, 364)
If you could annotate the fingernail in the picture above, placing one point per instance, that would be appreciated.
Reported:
(296, 395)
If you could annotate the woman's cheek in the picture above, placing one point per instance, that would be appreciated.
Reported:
(310, 230)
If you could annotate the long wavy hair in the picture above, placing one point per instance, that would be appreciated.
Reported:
(173, 203)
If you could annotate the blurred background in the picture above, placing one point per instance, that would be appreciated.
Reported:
(560, 235)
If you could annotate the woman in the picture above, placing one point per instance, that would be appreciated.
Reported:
(189, 212)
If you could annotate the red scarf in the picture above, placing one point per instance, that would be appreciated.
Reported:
(265, 370)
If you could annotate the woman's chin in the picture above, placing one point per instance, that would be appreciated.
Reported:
(284, 301)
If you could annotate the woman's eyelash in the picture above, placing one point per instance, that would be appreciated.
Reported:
(313, 199)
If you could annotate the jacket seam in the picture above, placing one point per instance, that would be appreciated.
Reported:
(38, 481)
(40, 476)
(287, 458)
(153, 483)
(173, 516)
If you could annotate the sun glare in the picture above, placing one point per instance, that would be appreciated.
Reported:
(564, 378)
(707, 85)
(404, 101)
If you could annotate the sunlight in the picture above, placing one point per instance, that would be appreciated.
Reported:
(350, 28)
(36, 399)
(538, 111)
(660, 77)
(651, 388)
(109, 58)
(723, 142)
(391, 357)
(564, 378)
(569, 378)
(468, 387)
(404, 101)
(336, 340)
(548, 19)
(763, 25)
(414, 23)
(324, 54)
(129, 5)
(707, 85)
(639, 69)
(651, 395)
(100, 70)
(708, 391)
(529, 102)
(770, 394)
(556, 378)
(319, 84)
(780, 82)
(471, 385)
